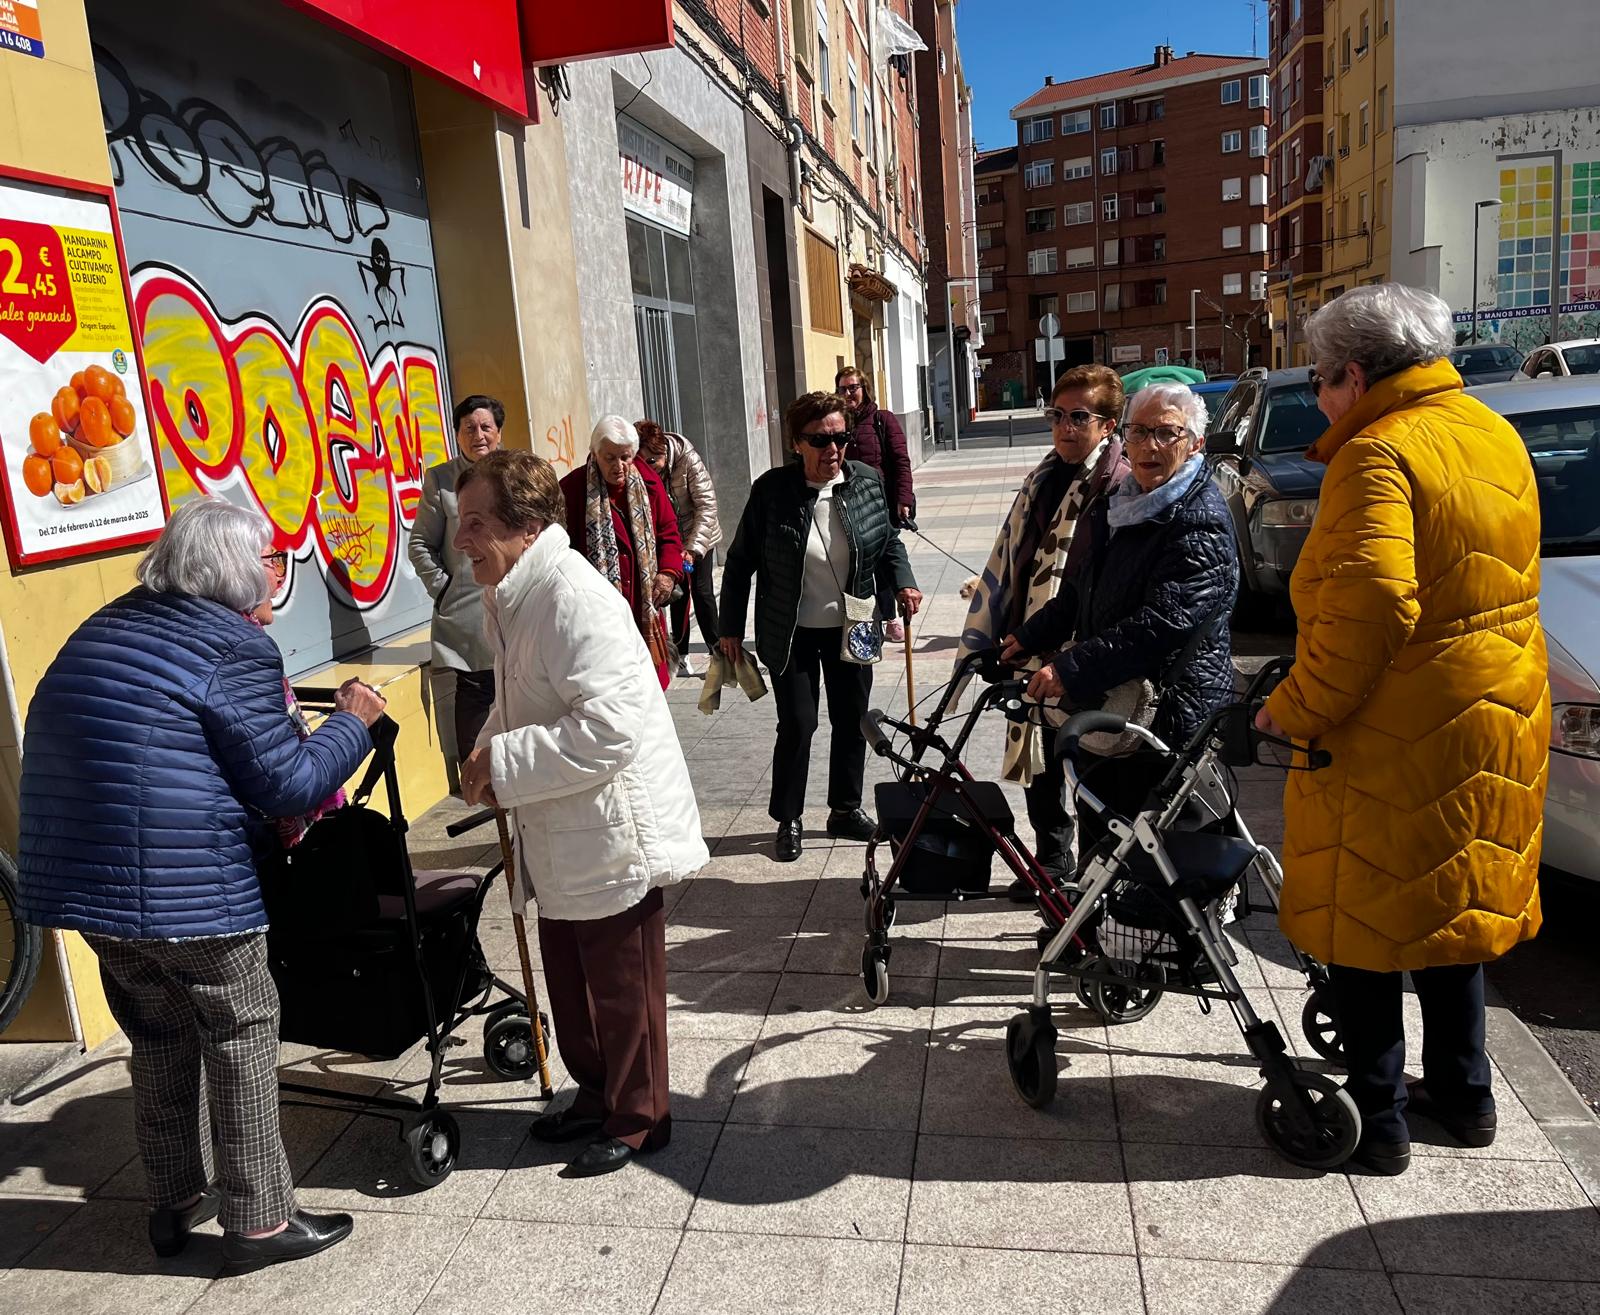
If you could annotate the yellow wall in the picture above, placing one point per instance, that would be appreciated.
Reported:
(1353, 259)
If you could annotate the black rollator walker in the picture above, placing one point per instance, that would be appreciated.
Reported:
(1144, 917)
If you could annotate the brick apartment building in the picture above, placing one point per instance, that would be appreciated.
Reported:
(1127, 192)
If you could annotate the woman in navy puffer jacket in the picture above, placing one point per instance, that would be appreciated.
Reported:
(158, 749)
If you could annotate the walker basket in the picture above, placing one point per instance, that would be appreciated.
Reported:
(953, 850)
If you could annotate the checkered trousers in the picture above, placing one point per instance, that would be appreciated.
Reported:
(187, 1006)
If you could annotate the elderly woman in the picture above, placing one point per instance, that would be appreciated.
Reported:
(814, 532)
(1036, 550)
(877, 440)
(694, 503)
(620, 518)
(581, 750)
(1420, 668)
(459, 645)
(158, 748)
(1152, 598)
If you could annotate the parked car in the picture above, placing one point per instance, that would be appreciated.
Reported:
(1556, 360)
(1214, 392)
(1256, 447)
(1486, 363)
(1559, 420)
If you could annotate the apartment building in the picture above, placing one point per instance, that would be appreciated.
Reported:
(1138, 194)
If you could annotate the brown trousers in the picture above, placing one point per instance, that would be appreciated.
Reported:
(607, 984)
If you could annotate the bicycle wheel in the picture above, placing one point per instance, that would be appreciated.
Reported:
(20, 947)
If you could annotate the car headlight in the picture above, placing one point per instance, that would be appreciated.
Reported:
(1575, 728)
(1285, 512)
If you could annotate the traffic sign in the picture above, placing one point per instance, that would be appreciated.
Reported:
(1049, 326)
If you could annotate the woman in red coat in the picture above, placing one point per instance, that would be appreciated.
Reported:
(619, 517)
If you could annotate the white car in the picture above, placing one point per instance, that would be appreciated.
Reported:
(1559, 420)
(1557, 360)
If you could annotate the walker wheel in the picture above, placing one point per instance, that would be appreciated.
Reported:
(1116, 1002)
(1031, 1058)
(875, 973)
(432, 1144)
(1309, 1119)
(1317, 1021)
(508, 1047)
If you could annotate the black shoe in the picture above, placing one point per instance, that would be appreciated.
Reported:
(305, 1235)
(851, 824)
(564, 1125)
(604, 1155)
(1385, 1158)
(170, 1228)
(1021, 892)
(1468, 1129)
(789, 843)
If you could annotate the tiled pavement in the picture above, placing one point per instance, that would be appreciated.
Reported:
(832, 1157)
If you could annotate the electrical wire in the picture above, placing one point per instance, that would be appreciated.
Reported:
(649, 77)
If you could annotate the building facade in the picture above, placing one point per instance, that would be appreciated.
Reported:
(1143, 195)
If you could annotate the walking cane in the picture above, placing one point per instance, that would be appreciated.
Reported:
(541, 1053)
(911, 680)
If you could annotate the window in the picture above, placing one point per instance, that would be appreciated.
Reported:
(1258, 141)
(1041, 220)
(1074, 121)
(1294, 94)
(1108, 116)
(1113, 298)
(1079, 212)
(1366, 34)
(1344, 134)
(1232, 285)
(1383, 19)
(1364, 125)
(1232, 189)
(822, 284)
(1294, 12)
(1148, 111)
(1150, 202)
(1079, 302)
(1041, 129)
(1258, 285)
(1110, 251)
(1344, 50)
(1383, 204)
(1108, 160)
(986, 277)
(1041, 305)
(1259, 96)
(991, 235)
(824, 67)
(1041, 173)
(1158, 152)
(1363, 212)
(1258, 239)
(986, 325)
(1231, 142)
(1383, 109)
(1232, 237)
(1082, 167)
(1042, 260)
(1343, 231)
(1080, 257)
(1258, 185)
(1230, 92)
(854, 96)
(1108, 208)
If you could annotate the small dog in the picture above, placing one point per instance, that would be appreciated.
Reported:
(970, 587)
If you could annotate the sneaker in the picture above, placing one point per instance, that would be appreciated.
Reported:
(894, 631)
(685, 670)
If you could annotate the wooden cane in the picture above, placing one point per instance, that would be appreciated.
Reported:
(911, 680)
(508, 859)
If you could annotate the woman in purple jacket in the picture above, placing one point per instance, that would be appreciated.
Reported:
(877, 440)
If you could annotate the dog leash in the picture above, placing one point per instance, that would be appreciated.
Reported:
(912, 529)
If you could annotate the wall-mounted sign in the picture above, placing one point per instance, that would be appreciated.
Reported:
(1120, 355)
(657, 178)
(1163, 355)
(19, 27)
(77, 472)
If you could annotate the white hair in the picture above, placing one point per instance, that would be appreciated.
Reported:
(1173, 397)
(614, 429)
(212, 549)
(1383, 328)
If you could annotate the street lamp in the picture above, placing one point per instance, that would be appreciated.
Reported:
(1477, 210)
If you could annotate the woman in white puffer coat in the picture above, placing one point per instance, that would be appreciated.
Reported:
(581, 751)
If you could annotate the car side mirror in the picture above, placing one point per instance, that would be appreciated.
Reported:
(1545, 374)
(1222, 442)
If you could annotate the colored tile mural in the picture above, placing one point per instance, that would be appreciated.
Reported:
(1529, 243)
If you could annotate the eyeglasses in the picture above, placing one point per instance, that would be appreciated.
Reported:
(1318, 383)
(278, 561)
(1160, 435)
(824, 441)
(850, 388)
(1077, 419)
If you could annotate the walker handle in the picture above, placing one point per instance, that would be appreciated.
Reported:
(1087, 723)
(872, 732)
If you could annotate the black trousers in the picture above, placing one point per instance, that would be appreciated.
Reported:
(1455, 1063)
(1052, 820)
(474, 702)
(704, 594)
(814, 661)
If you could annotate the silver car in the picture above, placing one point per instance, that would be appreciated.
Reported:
(1559, 420)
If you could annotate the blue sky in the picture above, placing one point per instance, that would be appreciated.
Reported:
(1007, 46)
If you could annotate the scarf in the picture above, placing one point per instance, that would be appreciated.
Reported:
(1131, 505)
(601, 546)
(1005, 576)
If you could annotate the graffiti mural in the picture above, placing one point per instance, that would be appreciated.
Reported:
(330, 443)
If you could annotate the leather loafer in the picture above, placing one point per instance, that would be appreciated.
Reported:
(1468, 1129)
(851, 824)
(305, 1235)
(564, 1125)
(789, 843)
(603, 1155)
(170, 1228)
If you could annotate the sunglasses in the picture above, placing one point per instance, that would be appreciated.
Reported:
(1160, 435)
(1077, 419)
(823, 441)
(1318, 383)
(849, 388)
(278, 561)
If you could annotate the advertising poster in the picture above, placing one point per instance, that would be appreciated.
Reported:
(77, 470)
(19, 27)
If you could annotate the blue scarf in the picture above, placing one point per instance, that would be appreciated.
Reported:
(1131, 505)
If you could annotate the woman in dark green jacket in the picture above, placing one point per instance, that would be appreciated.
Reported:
(814, 531)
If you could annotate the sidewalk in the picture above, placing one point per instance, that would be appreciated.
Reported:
(832, 1157)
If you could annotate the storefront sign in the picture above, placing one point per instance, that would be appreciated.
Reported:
(1490, 313)
(76, 467)
(1120, 355)
(19, 27)
(560, 33)
(657, 179)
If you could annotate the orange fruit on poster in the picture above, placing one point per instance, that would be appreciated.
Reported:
(94, 423)
(37, 475)
(44, 434)
(69, 495)
(100, 382)
(67, 465)
(79, 384)
(117, 388)
(97, 474)
(64, 409)
(121, 410)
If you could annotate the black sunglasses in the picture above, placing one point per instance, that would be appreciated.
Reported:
(821, 441)
(278, 561)
(1078, 419)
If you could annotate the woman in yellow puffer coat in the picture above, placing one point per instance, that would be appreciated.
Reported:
(1420, 668)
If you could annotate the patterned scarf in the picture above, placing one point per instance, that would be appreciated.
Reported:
(603, 550)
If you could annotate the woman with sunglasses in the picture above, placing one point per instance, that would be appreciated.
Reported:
(877, 440)
(814, 531)
(1034, 552)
